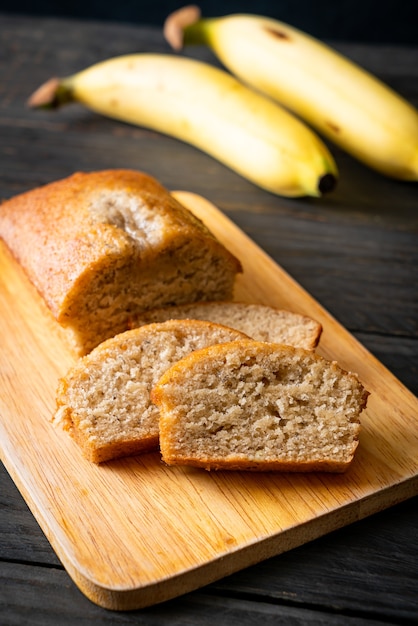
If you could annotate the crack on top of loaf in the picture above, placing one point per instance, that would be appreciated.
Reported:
(129, 214)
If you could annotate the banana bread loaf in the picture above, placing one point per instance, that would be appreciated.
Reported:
(263, 323)
(101, 247)
(104, 400)
(259, 406)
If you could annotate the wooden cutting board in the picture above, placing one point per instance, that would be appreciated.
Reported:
(133, 532)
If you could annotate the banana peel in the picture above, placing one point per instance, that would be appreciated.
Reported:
(339, 99)
(208, 108)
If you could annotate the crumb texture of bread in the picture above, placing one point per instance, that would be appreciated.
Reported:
(104, 400)
(259, 406)
(103, 246)
(261, 322)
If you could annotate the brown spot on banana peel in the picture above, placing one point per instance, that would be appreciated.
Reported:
(278, 34)
(176, 23)
(334, 127)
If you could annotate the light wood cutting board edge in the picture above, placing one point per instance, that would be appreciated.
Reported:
(260, 272)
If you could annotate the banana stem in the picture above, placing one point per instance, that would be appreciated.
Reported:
(51, 95)
(184, 27)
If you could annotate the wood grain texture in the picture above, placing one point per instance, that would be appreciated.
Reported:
(194, 609)
(120, 529)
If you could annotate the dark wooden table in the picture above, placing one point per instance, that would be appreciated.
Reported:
(355, 251)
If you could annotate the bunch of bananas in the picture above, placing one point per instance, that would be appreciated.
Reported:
(250, 117)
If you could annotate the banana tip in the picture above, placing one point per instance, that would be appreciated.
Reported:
(177, 21)
(45, 96)
(327, 183)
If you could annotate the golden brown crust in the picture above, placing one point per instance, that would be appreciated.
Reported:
(50, 230)
(65, 247)
(232, 464)
(117, 450)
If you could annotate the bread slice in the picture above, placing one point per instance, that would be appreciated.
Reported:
(259, 406)
(261, 322)
(101, 247)
(104, 400)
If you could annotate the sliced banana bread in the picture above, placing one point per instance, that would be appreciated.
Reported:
(259, 406)
(104, 400)
(261, 322)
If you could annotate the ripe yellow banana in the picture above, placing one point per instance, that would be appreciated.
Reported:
(338, 98)
(208, 108)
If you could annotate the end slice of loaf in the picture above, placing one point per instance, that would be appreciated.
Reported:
(259, 406)
(103, 246)
(104, 400)
(261, 322)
